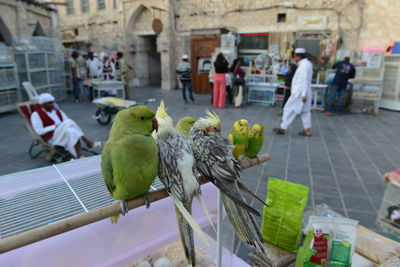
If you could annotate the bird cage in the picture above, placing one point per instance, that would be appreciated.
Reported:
(389, 213)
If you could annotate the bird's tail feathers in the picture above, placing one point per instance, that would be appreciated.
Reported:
(187, 239)
(250, 193)
(205, 210)
(243, 223)
(188, 217)
(236, 197)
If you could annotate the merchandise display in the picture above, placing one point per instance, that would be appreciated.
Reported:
(375, 247)
(282, 220)
(329, 242)
(41, 62)
(389, 212)
(9, 85)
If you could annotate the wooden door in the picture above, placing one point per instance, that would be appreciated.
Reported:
(202, 47)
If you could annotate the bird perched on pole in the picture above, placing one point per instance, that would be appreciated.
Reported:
(129, 160)
(176, 172)
(215, 161)
(255, 141)
(239, 137)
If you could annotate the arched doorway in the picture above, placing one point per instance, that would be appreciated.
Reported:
(143, 42)
(5, 35)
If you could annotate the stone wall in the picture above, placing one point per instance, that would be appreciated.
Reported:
(21, 18)
(102, 28)
(355, 22)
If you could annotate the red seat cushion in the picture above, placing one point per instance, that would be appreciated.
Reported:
(27, 110)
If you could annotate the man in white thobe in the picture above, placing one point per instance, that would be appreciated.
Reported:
(57, 129)
(299, 102)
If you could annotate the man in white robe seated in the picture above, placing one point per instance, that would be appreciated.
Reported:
(299, 102)
(57, 129)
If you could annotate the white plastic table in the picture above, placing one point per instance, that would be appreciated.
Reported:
(318, 90)
(107, 86)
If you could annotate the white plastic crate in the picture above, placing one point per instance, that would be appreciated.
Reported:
(390, 202)
(263, 93)
(57, 77)
(21, 62)
(39, 78)
(55, 61)
(37, 61)
(10, 76)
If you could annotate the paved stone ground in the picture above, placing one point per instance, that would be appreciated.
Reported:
(341, 163)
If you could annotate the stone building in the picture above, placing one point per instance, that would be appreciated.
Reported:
(260, 25)
(26, 18)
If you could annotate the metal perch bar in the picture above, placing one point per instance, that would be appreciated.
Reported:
(71, 223)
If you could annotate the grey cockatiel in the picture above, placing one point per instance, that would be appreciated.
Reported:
(176, 172)
(215, 161)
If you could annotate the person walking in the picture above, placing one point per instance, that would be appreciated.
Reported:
(299, 102)
(121, 69)
(76, 76)
(219, 91)
(288, 81)
(344, 71)
(185, 71)
(238, 83)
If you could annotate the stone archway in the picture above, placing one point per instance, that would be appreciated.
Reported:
(151, 55)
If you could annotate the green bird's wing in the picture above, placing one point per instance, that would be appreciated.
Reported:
(238, 139)
(106, 168)
(254, 147)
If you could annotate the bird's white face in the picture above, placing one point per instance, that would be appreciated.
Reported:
(207, 126)
(165, 124)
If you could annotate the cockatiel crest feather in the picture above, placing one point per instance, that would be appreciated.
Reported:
(165, 122)
(161, 111)
(213, 117)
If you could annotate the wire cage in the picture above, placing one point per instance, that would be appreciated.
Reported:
(390, 206)
(40, 61)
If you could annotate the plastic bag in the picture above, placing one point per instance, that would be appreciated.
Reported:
(281, 225)
(329, 242)
(376, 247)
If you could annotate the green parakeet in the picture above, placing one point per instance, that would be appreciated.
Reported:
(129, 160)
(255, 141)
(239, 137)
(176, 172)
(215, 161)
(184, 124)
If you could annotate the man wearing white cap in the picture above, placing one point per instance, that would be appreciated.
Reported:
(57, 129)
(185, 71)
(299, 102)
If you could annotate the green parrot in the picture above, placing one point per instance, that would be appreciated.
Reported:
(184, 124)
(129, 160)
(239, 137)
(255, 141)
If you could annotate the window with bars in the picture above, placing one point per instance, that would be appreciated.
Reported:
(70, 6)
(84, 6)
(101, 4)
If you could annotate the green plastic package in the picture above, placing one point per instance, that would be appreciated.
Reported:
(282, 220)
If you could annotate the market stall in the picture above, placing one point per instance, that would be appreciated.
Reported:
(41, 62)
(9, 84)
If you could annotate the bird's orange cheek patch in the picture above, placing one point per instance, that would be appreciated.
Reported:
(208, 129)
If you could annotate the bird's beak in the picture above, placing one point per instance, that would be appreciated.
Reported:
(155, 124)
